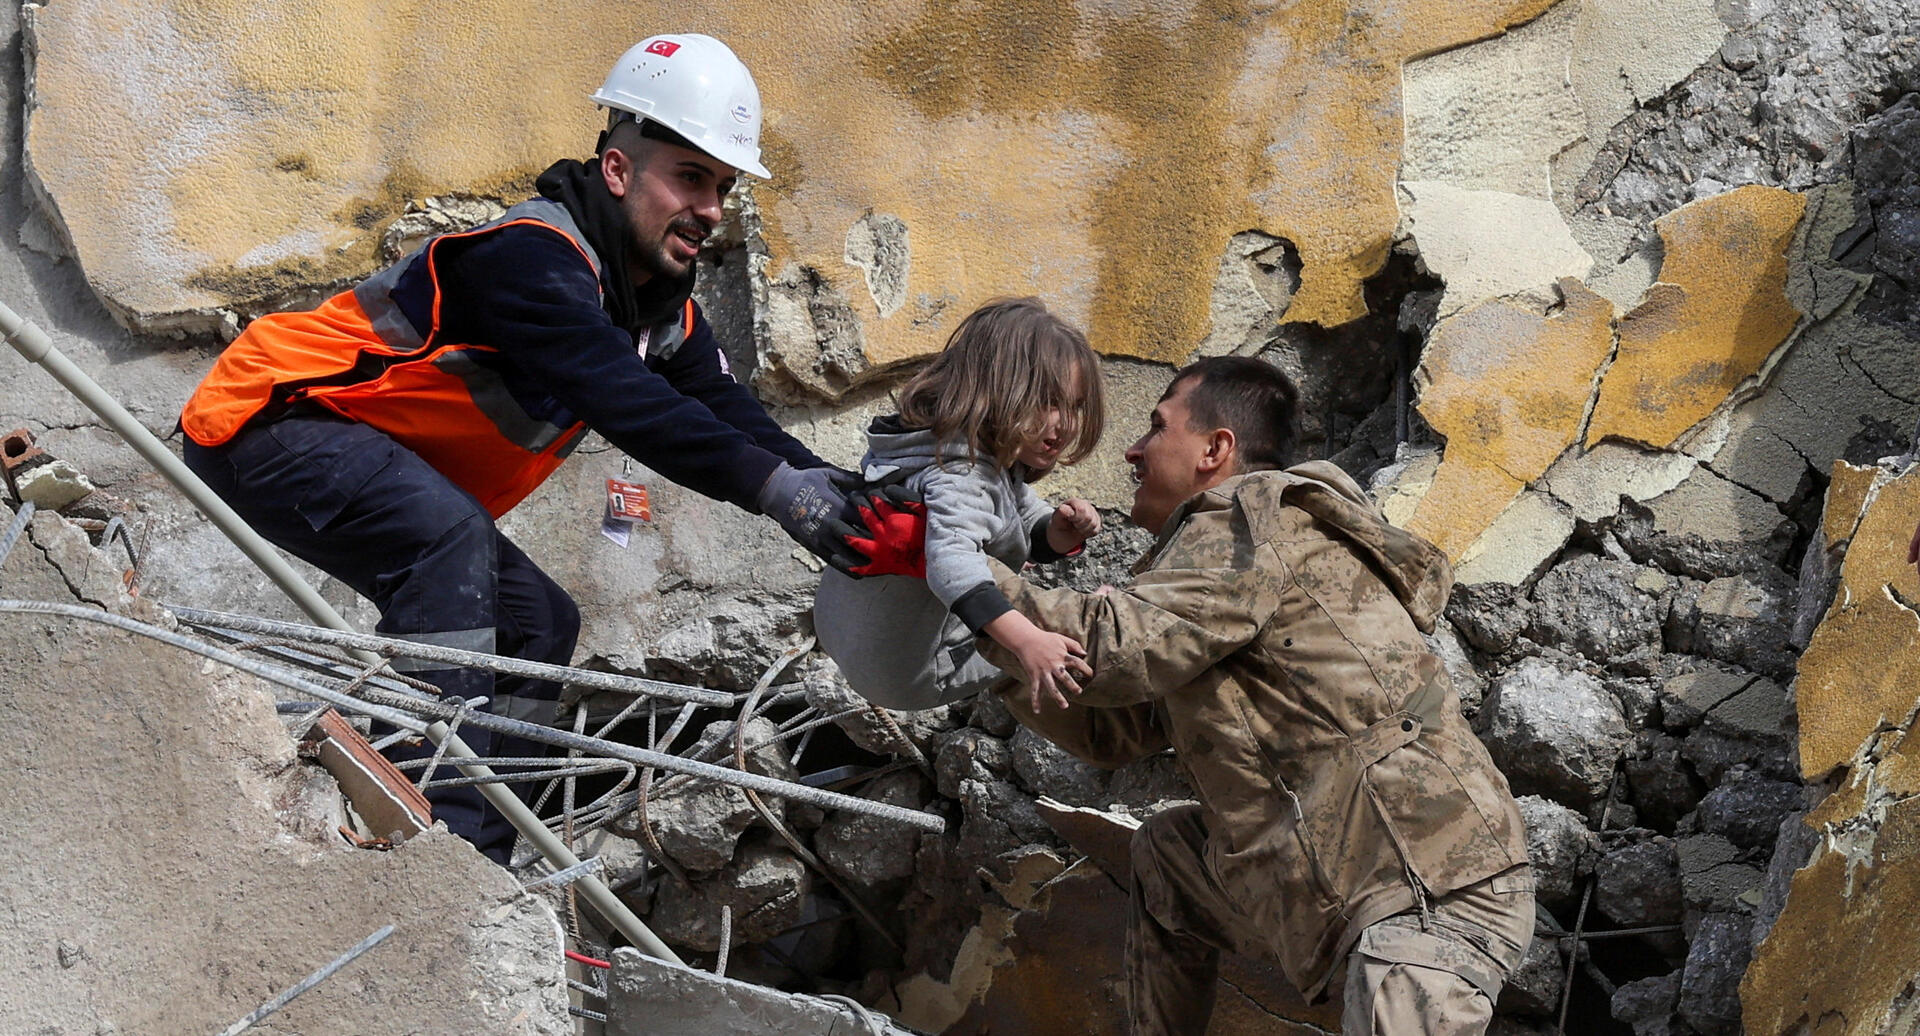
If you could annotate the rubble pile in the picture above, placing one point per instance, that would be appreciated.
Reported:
(1615, 302)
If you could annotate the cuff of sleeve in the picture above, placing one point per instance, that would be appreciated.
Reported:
(981, 605)
(752, 468)
(1040, 552)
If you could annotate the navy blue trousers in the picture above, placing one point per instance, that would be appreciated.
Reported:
(362, 508)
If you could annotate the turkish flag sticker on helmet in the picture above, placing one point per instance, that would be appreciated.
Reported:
(664, 48)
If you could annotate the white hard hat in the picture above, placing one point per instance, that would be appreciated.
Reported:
(696, 87)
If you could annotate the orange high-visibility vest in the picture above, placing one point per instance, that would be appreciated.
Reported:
(359, 356)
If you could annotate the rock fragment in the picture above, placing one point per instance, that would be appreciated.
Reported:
(1553, 732)
(1561, 847)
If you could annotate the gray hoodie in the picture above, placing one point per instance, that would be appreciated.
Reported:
(907, 643)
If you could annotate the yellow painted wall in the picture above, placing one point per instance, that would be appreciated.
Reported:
(205, 152)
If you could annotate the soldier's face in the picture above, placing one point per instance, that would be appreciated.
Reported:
(672, 198)
(1169, 462)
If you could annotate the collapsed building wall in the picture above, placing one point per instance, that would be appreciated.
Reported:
(1597, 301)
(173, 864)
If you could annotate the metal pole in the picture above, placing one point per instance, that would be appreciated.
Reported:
(31, 342)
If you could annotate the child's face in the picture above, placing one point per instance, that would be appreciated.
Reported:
(1042, 452)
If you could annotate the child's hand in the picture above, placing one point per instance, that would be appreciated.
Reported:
(1050, 660)
(1074, 523)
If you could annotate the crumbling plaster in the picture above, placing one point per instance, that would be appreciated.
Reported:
(1841, 958)
(1513, 389)
(278, 145)
(173, 864)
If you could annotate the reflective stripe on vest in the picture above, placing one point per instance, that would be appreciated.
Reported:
(358, 355)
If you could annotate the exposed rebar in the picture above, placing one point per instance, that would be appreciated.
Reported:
(307, 983)
(20, 520)
(396, 647)
(503, 725)
(591, 865)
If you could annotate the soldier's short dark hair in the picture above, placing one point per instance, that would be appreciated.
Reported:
(1253, 398)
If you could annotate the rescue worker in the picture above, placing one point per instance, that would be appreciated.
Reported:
(380, 435)
(1349, 823)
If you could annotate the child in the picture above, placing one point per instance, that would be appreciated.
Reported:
(1015, 392)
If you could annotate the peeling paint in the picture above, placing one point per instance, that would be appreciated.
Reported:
(1716, 315)
(1856, 675)
(1007, 137)
(1507, 387)
(1489, 244)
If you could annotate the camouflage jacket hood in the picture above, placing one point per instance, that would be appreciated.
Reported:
(1272, 638)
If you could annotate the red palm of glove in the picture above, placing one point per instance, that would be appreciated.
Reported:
(898, 543)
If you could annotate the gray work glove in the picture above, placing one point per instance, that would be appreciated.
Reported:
(812, 505)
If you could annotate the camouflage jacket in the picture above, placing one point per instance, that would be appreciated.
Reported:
(1272, 639)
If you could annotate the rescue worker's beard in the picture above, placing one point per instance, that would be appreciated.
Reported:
(579, 186)
(654, 259)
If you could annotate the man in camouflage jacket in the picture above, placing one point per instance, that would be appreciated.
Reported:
(1349, 821)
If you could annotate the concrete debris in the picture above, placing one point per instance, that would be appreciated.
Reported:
(1648, 1004)
(763, 886)
(1491, 116)
(1745, 620)
(1747, 809)
(1561, 848)
(1639, 884)
(1706, 527)
(648, 997)
(1607, 611)
(1490, 616)
(1553, 732)
(1048, 771)
(1490, 244)
(1713, 875)
(1468, 682)
(1710, 983)
(228, 880)
(970, 754)
(1535, 987)
(1662, 786)
(868, 852)
(1508, 386)
(52, 485)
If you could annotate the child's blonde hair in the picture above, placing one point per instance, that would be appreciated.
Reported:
(1003, 368)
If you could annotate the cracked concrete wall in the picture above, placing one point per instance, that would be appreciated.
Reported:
(1632, 275)
(1841, 958)
(284, 145)
(174, 863)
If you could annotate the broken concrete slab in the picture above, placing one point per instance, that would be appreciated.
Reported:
(1707, 527)
(1855, 677)
(1519, 544)
(1507, 386)
(1489, 244)
(177, 838)
(1491, 116)
(1591, 482)
(649, 997)
(1624, 53)
(1716, 315)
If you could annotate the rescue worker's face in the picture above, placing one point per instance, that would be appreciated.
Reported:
(1173, 462)
(672, 197)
